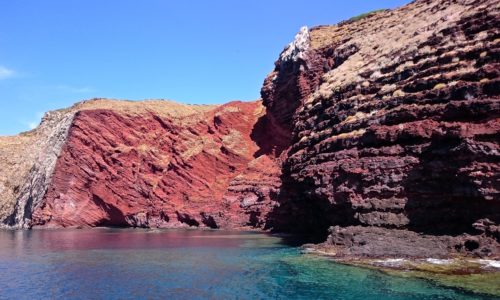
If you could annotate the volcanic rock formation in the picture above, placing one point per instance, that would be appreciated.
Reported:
(379, 131)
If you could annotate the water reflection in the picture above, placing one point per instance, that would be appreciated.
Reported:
(185, 264)
(58, 240)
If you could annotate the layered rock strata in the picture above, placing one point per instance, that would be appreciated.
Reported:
(396, 122)
(154, 164)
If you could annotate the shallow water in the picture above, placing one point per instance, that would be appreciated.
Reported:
(186, 264)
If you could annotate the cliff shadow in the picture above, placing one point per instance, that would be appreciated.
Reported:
(305, 215)
(270, 137)
(442, 197)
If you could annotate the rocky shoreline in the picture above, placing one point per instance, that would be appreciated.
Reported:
(374, 242)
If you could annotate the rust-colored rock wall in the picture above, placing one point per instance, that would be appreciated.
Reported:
(147, 170)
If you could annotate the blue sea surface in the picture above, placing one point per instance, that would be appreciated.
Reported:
(186, 264)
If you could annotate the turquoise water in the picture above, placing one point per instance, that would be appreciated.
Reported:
(188, 264)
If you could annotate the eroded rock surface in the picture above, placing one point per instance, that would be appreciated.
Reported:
(27, 163)
(151, 170)
(380, 242)
(394, 123)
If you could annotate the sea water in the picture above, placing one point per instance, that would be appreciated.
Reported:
(186, 264)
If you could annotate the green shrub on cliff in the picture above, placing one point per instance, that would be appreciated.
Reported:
(364, 15)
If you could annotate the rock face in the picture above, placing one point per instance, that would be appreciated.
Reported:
(381, 133)
(27, 162)
(394, 122)
(152, 170)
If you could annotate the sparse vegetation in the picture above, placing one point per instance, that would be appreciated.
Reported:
(163, 108)
(364, 15)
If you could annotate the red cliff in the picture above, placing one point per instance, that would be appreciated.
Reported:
(152, 170)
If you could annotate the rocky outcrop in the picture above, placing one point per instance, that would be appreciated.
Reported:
(379, 242)
(379, 135)
(254, 190)
(396, 122)
(27, 162)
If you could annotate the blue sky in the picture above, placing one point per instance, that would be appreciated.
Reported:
(54, 53)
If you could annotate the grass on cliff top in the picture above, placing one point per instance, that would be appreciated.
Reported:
(325, 35)
(165, 108)
(364, 15)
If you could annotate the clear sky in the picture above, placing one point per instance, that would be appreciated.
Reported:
(54, 53)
